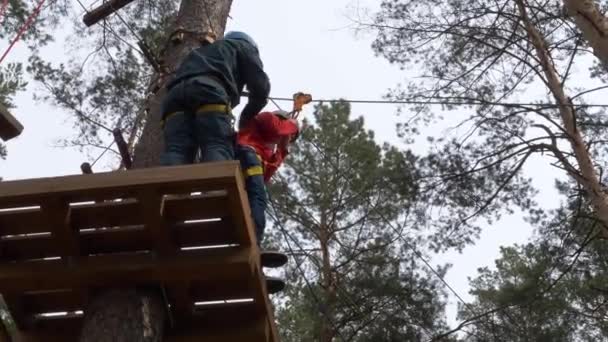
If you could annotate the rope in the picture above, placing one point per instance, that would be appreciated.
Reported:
(103, 153)
(23, 28)
(445, 102)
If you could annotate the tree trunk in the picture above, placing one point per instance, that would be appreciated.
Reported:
(327, 329)
(586, 174)
(192, 17)
(592, 24)
(131, 315)
(125, 316)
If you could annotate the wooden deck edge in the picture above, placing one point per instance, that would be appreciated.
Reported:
(206, 176)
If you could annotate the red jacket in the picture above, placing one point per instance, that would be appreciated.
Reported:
(269, 136)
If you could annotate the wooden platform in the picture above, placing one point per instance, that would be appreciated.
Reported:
(185, 229)
(9, 126)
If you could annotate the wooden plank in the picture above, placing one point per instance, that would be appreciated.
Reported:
(63, 325)
(23, 248)
(152, 208)
(111, 270)
(263, 305)
(53, 301)
(64, 236)
(237, 288)
(83, 188)
(225, 315)
(241, 212)
(221, 320)
(116, 240)
(22, 221)
(163, 239)
(250, 332)
(104, 10)
(9, 126)
(196, 208)
(119, 240)
(206, 233)
(107, 214)
(182, 305)
(46, 336)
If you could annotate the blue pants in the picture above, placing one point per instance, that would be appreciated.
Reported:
(256, 189)
(186, 131)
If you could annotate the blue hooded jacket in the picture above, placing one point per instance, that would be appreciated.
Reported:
(230, 64)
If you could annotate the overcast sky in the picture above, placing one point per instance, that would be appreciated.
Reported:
(305, 45)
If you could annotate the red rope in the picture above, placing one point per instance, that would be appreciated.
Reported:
(23, 28)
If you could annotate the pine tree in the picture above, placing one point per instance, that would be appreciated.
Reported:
(346, 207)
(492, 55)
(561, 275)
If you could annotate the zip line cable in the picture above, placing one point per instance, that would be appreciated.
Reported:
(445, 102)
(103, 153)
(30, 20)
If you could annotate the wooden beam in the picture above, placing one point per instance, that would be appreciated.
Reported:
(252, 332)
(103, 11)
(263, 305)
(9, 126)
(241, 211)
(122, 270)
(123, 149)
(64, 235)
(82, 188)
(119, 240)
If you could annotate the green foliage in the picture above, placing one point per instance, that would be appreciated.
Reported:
(561, 276)
(40, 34)
(340, 190)
(106, 87)
(479, 52)
(11, 82)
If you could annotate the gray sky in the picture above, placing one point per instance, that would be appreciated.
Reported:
(306, 46)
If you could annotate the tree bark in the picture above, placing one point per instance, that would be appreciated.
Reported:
(131, 315)
(585, 174)
(592, 24)
(327, 332)
(192, 17)
(124, 316)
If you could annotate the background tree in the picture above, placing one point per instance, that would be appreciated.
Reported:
(11, 81)
(559, 275)
(489, 55)
(593, 25)
(511, 73)
(345, 206)
(118, 87)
